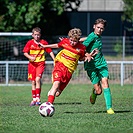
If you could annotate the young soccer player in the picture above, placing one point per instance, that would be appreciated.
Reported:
(66, 61)
(97, 68)
(36, 66)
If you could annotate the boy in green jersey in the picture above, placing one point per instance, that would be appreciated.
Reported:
(97, 69)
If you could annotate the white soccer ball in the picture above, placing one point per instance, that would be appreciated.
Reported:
(46, 109)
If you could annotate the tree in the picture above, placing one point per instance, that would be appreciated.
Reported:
(23, 15)
(128, 13)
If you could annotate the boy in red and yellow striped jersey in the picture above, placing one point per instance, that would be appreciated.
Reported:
(66, 61)
(36, 65)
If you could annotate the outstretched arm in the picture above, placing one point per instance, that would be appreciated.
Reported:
(47, 46)
(89, 56)
(82, 39)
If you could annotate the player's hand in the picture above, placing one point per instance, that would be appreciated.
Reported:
(82, 39)
(94, 52)
(39, 44)
(32, 59)
(88, 57)
(61, 38)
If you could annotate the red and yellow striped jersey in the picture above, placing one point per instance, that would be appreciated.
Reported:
(70, 55)
(34, 50)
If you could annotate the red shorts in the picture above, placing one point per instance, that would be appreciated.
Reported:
(35, 69)
(61, 73)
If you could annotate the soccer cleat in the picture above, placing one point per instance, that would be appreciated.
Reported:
(93, 97)
(110, 111)
(38, 103)
(33, 103)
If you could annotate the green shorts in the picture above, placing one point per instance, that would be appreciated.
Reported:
(96, 75)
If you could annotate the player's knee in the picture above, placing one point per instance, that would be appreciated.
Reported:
(58, 93)
(33, 83)
(98, 91)
(38, 80)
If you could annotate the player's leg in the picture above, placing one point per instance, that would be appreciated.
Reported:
(107, 95)
(33, 102)
(58, 92)
(39, 71)
(63, 86)
(96, 83)
(56, 79)
(38, 90)
(53, 91)
(31, 77)
(66, 77)
(97, 90)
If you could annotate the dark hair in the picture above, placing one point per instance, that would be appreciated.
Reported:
(102, 21)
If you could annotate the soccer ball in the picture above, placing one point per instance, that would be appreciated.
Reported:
(46, 109)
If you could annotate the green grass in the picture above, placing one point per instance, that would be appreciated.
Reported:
(74, 113)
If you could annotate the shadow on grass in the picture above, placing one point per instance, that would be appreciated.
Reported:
(123, 111)
(23, 104)
(126, 111)
(67, 103)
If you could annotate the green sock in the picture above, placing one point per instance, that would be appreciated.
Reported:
(108, 98)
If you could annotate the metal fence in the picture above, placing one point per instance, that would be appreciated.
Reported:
(118, 50)
(11, 47)
(14, 73)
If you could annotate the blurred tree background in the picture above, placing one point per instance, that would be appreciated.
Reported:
(23, 15)
(55, 18)
(47, 14)
(128, 14)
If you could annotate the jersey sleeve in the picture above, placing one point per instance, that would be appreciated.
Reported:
(27, 47)
(83, 51)
(62, 42)
(48, 50)
(89, 40)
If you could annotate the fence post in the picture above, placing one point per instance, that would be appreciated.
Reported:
(7, 79)
(122, 73)
(123, 51)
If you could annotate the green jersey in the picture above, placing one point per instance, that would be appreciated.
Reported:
(94, 41)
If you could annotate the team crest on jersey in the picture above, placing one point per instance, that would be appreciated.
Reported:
(32, 47)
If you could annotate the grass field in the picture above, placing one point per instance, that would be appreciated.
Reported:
(74, 113)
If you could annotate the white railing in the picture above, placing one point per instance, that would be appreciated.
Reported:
(13, 73)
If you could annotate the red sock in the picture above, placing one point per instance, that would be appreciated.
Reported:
(33, 94)
(38, 92)
(51, 98)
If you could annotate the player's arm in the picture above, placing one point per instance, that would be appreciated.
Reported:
(49, 46)
(94, 52)
(52, 55)
(31, 58)
(82, 39)
(55, 45)
(82, 59)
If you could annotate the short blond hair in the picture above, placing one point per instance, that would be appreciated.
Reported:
(75, 33)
